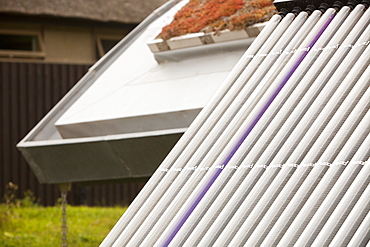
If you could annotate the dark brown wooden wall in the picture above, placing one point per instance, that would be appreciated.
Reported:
(27, 92)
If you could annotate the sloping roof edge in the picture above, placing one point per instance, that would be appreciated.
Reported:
(45, 137)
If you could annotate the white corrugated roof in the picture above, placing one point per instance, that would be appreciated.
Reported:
(280, 154)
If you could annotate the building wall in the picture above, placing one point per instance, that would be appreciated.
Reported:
(62, 41)
(67, 44)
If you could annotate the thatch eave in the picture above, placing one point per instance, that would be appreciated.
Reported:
(119, 11)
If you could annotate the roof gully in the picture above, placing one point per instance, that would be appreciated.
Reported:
(200, 39)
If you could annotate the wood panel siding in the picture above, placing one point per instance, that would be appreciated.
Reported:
(27, 92)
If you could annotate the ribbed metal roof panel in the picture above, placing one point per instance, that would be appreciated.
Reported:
(282, 156)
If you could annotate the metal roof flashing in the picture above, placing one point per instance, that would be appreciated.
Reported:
(188, 51)
(114, 157)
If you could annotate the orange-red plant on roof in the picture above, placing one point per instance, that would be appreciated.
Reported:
(215, 15)
(197, 14)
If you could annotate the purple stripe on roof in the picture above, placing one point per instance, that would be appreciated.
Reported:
(217, 172)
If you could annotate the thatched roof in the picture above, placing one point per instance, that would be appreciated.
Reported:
(122, 11)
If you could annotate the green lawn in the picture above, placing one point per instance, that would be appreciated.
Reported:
(41, 226)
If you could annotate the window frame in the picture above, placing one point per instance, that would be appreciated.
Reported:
(40, 53)
(101, 37)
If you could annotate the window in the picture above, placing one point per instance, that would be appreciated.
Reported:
(106, 42)
(21, 44)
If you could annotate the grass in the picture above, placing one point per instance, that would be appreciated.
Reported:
(41, 226)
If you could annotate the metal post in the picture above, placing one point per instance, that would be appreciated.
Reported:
(64, 188)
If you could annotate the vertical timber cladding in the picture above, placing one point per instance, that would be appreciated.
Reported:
(27, 92)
